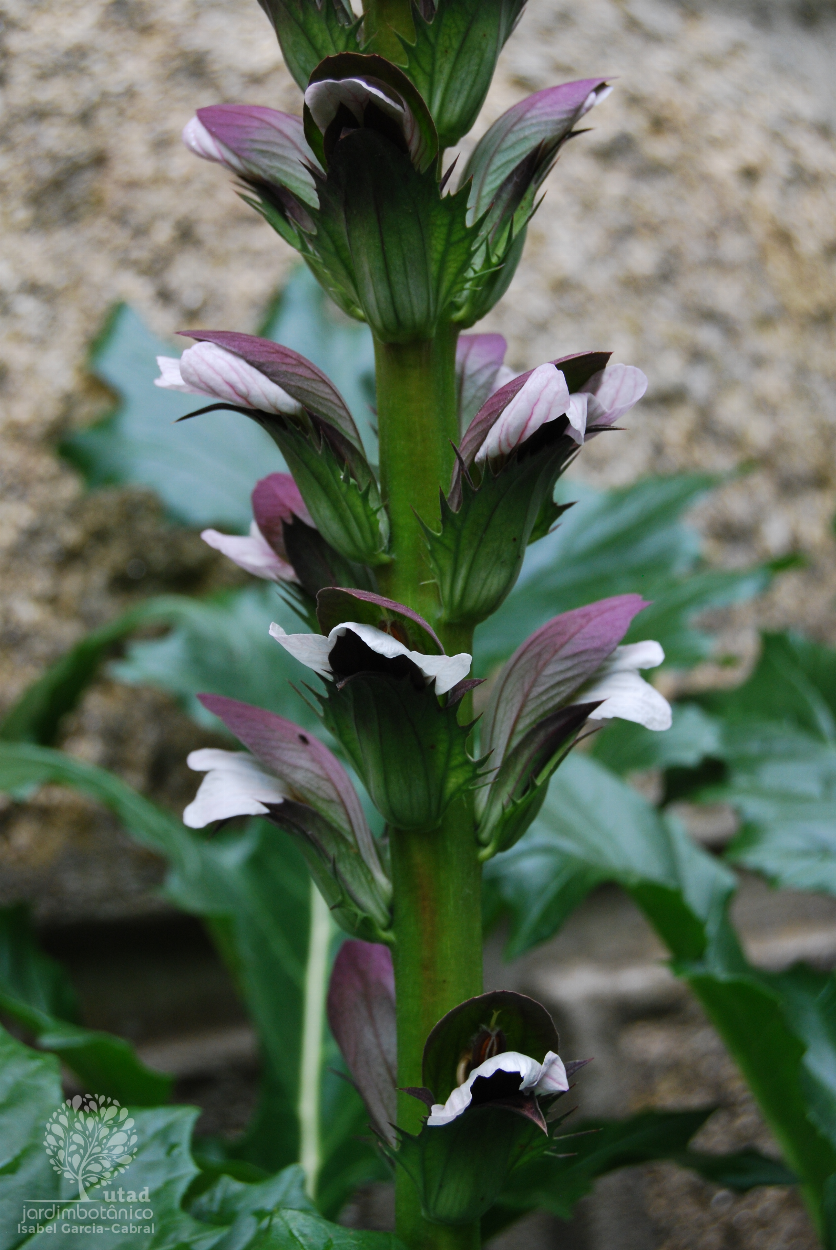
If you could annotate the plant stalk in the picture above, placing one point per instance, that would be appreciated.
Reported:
(418, 423)
(313, 1021)
(436, 875)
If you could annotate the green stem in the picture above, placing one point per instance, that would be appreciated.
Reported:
(313, 1020)
(438, 963)
(416, 405)
(436, 875)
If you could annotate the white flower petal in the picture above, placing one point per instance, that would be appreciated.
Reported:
(530, 1072)
(312, 650)
(576, 416)
(634, 655)
(324, 99)
(253, 553)
(447, 670)
(234, 785)
(543, 397)
(613, 391)
(552, 1079)
(596, 95)
(376, 639)
(624, 693)
(207, 369)
(443, 1113)
(170, 377)
(629, 697)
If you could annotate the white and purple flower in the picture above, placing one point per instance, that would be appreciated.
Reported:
(315, 651)
(548, 1077)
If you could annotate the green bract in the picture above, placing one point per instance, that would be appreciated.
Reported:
(460, 1169)
(395, 251)
(308, 32)
(453, 56)
(342, 496)
(408, 749)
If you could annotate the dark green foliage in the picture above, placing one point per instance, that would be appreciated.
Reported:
(37, 714)
(778, 1027)
(620, 541)
(35, 992)
(593, 1148)
(187, 1211)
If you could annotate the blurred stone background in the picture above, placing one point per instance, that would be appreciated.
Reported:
(693, 232)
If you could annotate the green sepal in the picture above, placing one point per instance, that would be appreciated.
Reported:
(460, 1168)
(490, 278)
(409, 751)
(525, 1023)
(391, 243)
(452, 59)
(359, 902)
(363, 65)
(341, 495)
(519, 789)
(477, 556)
(548, 514)
(307, 32)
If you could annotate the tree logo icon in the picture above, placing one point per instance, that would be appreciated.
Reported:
(90, 1139)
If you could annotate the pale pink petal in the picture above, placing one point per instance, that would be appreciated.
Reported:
(210, 370)
(576, 416)
(234, 785)
(199, 141)
(553, 1079)
(613, 392)
(544, 397)
(252, 553)
(170, 377)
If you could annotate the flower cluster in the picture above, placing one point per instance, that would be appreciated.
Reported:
(357, 184)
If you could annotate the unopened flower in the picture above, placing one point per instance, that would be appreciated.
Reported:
(351, 648)
(210, 370)
(545, 396)
(624, 693)
(340, 105)
(258, 144)
(499, 1079)
(276, 501)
